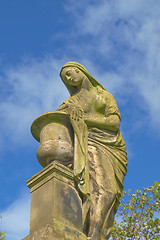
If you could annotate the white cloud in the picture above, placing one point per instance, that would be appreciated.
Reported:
(16, 218)
(125, 35)
(34, 87)
(28, 89)
(94, 18)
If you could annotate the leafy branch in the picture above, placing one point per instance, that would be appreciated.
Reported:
(139, 215)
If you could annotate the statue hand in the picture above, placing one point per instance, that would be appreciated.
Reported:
(75, 112)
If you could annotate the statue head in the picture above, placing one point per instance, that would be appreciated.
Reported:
(73, 74)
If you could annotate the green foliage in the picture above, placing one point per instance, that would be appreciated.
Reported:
(139, 215)
(2, 234)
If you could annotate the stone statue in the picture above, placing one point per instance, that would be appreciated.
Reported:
(83, 134)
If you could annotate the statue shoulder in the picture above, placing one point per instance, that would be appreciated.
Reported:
(103, 92)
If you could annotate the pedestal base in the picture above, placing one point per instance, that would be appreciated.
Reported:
(58, 231)
(56, 208)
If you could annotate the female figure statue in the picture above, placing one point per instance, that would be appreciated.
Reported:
(100, 157)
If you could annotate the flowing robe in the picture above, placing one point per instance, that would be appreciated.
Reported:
(100, 162)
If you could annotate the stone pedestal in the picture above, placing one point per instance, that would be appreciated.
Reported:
(56, 208)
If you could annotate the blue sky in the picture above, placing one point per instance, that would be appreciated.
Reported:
(119, 44)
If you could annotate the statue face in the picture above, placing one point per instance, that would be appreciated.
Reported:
(72, 75)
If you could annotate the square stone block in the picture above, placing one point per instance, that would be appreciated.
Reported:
(55, 202)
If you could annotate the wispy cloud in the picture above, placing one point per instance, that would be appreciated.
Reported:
(122, 37)
(16, 218)
(125, 36)
(28, 89)
(33, 87)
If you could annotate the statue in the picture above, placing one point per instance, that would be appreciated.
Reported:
(90, 143)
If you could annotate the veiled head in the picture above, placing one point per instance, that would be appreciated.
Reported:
(73, 73)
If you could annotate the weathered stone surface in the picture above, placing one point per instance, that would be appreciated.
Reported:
(84, 135)
(58, 231)
(56, 208)
(55, 133)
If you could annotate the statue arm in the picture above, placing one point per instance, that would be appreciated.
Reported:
(111, 122)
